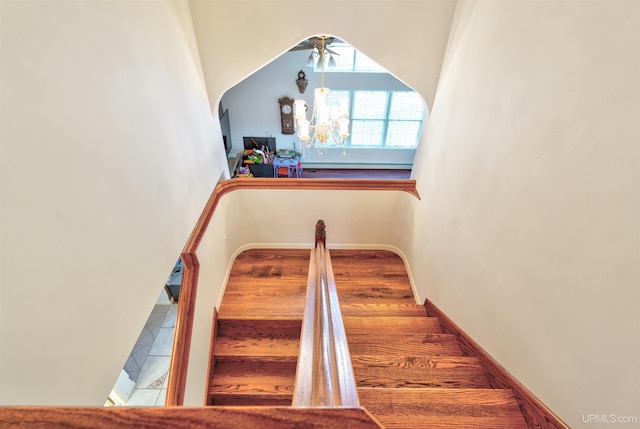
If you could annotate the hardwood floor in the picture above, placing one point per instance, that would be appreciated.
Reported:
(409, 373)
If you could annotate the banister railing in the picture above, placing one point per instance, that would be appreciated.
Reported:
(324, 376)
(176, 381)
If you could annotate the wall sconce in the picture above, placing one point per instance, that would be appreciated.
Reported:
(301, 82)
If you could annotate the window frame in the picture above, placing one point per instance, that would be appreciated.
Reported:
(386, 120)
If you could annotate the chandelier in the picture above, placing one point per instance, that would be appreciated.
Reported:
(329, 123)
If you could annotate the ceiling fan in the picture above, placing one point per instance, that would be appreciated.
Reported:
(320, 53)
(315, 43)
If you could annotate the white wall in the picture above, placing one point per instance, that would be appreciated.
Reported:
(238, 37)
(109, 152)
(528, 233)
(254, 110)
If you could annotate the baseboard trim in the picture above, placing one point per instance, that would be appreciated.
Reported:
(536, 413)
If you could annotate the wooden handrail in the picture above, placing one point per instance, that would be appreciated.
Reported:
(184, 322)
(324, 377)
(184, 418)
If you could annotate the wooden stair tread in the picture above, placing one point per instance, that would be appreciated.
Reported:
(267, 283)
(250, 338)
(371, 276)
(443, 408)
(418, 372)
(264, 346)
(407, 345)
(409, 373)
(382, 309)
(374, 294)
(252, 383)
(255, 378)
(265, 307)
(389, 324)
(254, 326)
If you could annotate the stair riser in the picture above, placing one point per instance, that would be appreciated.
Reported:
(248, 401)
(382, 310)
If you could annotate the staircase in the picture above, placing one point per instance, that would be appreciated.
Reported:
(258, 329)
(408, 372)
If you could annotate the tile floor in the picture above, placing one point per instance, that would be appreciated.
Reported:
(148, 363)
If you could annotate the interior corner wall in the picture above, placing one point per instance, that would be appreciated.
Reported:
(109, 153)
(528, 234)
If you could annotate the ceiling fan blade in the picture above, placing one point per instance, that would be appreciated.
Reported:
(315, 42)
(305, 44)
(301, 48)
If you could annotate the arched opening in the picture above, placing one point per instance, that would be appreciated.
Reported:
(386, 115)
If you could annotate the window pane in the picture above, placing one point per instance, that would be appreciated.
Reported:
(370, 104)
(403, 133)
(366, 133)
(335, 97)
(343, 57)
(364, 63)
(406, 105)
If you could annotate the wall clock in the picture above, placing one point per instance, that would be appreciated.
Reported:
(286, 115)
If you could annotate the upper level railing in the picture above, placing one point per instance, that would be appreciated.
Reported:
(176, 382)
(324, 377)
(231, 417)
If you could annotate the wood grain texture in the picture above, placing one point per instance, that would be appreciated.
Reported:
(390, 310)
(343, 368)
(253, 383)
(443, 408)
(379, 325)
(257, 345)
(184, 418)
(372, 277)
(324, 376)
(177, 378)
(260, 321)
(535, 412)
(254, 362)
(419, 372)
(176, 381)
(409, 345)
(394, 344)
(267, 284)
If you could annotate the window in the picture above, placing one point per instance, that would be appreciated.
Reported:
(348, 59)
(389, 119)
